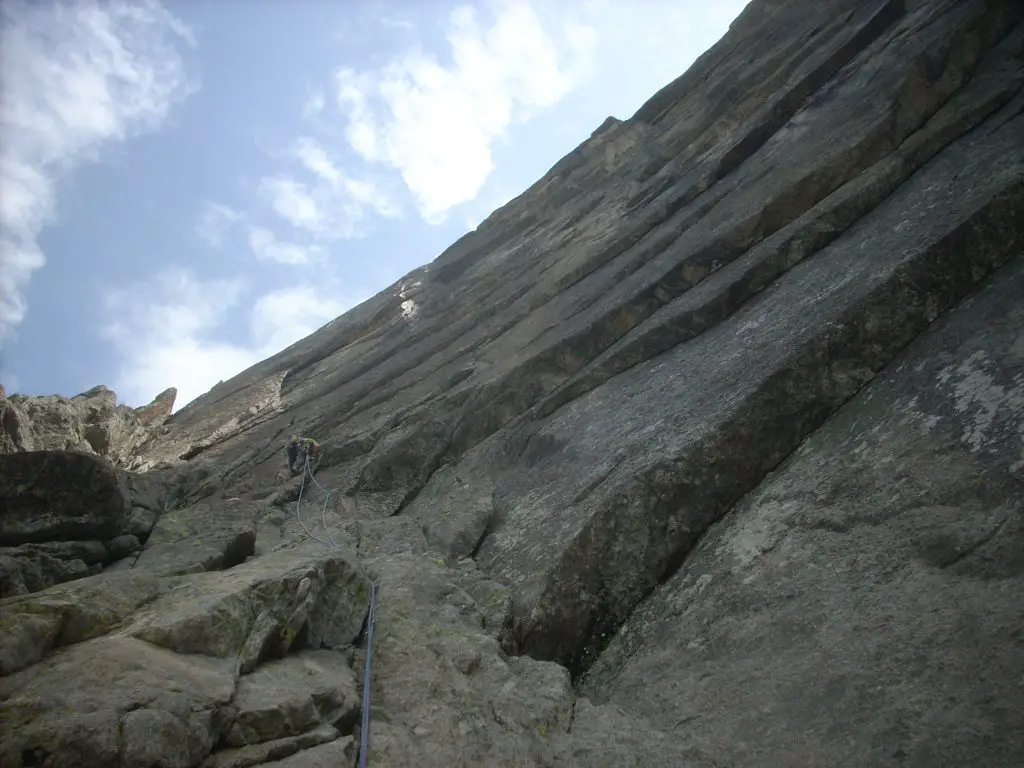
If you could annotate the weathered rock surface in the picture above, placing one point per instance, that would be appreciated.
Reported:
(56, 495)
(871, 589)
(65, 515)
(706, 450)
(153, 670)
(91, 422)
(294, 695)
(201, 537)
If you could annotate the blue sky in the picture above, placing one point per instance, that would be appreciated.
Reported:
(189, 187)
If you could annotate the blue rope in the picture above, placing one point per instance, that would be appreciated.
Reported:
(371, 618)
(307, 470)
(364, 729)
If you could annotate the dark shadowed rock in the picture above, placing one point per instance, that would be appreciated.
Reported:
(56, 495)
(32, 567)
(122, 546)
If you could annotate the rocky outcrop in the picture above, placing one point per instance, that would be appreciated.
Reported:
(706, 450)
(91, 422)
(165, 687)
(158, 411)
(64, 515)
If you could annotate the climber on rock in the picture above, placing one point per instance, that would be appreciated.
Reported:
(301, 449)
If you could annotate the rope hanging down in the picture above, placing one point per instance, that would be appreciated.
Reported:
(307, 470)
(371, 618)
(364, 728)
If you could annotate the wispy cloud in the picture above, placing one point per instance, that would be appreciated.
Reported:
(314, 104)
(74, 77)
(435, 124)
(171, 331)
(317, 195)
(215, 221)
(425, 125)
(267, 247)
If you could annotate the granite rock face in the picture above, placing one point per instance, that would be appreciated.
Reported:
(870, 588)
(707, 450)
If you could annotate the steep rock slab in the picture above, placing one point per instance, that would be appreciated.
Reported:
(998, 77)
(585, 278)
(57, 495)
(863, 605)
(362, 373)
(443, 692)
(614, 487)
(113, 701)
(790, 105)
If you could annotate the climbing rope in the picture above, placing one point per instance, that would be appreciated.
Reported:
(307, 470)
(371, 618)
(364, 728)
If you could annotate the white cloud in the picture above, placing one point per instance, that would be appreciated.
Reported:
(435, 124)
(332, 205)
(170, 332)
(434, 116)
(74, 76)
(280, 318)
(293, 202)
(267, 247)
(215, 222)
(316, 159)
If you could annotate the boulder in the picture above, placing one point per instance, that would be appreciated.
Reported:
(135, 668)
(202, 537)
(114, 701)
(58, 495)
(295, 695)
(260, 610)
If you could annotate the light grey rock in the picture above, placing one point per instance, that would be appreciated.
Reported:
(862, 605)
